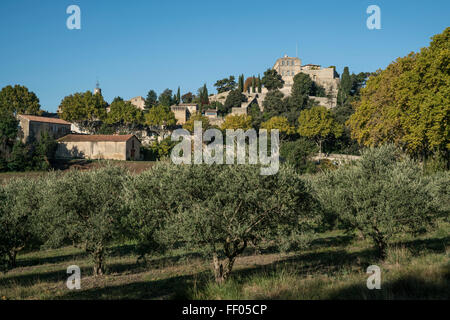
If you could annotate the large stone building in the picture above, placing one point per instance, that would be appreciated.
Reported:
(33, 127)
(138, 102)
(184, 111)
(288, 67)
(328, 78)
(114, 147)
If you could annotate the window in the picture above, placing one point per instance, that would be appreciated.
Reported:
(282, 63)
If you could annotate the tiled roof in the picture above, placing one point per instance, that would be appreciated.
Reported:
(44, 119)
(95, 138)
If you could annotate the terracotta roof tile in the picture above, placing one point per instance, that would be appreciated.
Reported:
(44, 119)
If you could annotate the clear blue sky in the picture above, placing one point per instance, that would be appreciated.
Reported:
(133, 46)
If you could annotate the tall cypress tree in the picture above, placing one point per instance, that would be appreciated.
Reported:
(253, 84)
(344, 87)
(241, 83)
(259, 84)
(178, 96)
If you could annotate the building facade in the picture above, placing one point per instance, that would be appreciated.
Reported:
(33, 127)
(138, 102)
(113, 147)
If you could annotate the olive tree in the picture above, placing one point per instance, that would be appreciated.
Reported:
(151, 198)
(19, 205)
(224, 208)
(383, 195)
(85, 208)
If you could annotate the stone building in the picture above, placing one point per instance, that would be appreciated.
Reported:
(184, 111)
(32, 127)
(181, 114)
(328, 78)
(138, 102)
(114, 147)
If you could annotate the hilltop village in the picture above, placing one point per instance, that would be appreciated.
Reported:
(79, 128)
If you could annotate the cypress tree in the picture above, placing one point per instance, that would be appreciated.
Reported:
(178, 96)
(259, 84)
(253, 84)
(344, 87)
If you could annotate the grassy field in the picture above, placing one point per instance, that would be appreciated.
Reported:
(333, 267)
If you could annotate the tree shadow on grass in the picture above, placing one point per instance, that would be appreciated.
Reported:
(170, 288)
(418, 246)
(35, 261)
(33, 278)
(405, 288)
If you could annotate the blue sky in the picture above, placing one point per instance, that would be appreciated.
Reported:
(137, 45)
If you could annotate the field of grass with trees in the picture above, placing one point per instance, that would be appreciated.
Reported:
(171, 231)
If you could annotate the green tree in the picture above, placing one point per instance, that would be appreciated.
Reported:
(83, 106)
(384, 195)
(165, 98)
(189, 125)
(178, 101)
(124, 112)
(234, 122)
(259, 84)
(274, 104)
(345, 87)
(272, 80)
(19, 219)
(8, 133)
(301, 90)
(298, 153)
(225, 85)
(234, 100)
(281, 124)
(86, 209)
(187, 98)
(221, 209)
(408, 104)
(19, 100)
(160, 116)
(203, 95)
(318, 123)
(151, 100)
(241, 83)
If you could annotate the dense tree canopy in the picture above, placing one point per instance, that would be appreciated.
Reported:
(189, 125)
(234, 100)
(408, 103)
(151, 100)
(318, 123)
(86, 208)
(226, 84)
(272, 80)
(237, 122)
(219, 209)
(281, 124)
(383, 195)
(124, 112)
(160, 116)
(166, 98)
(83, 106)
(19, 100)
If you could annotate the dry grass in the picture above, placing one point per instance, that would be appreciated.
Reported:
(333, 267)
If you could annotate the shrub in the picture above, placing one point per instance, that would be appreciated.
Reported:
(85, 208)
(222, 209)
(382, 195)
(19, 220)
